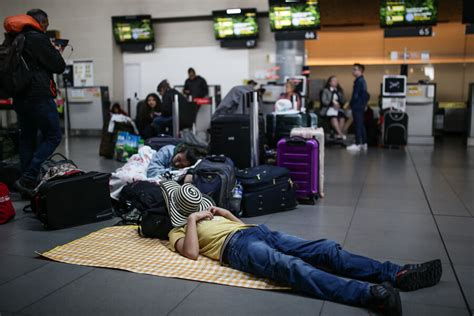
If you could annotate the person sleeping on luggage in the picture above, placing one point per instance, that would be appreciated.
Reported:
(317, 268)
(172, 157)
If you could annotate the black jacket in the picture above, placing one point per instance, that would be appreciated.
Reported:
(168, 99)
(197, 88)
(360, 96)
(44, 60)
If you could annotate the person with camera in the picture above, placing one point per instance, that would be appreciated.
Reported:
(35, 106)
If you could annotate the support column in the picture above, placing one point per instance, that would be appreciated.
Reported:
(290, 57)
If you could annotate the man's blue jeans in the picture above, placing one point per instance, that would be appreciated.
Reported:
(37, 114)
(360, 132)
(161, 123)
(307, 266)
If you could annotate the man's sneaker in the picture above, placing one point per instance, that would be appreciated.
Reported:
(417, 276)
(364, 147)
(385, 299)
(25, 186)
(353, 148)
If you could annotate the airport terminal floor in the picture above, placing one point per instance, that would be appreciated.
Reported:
(406, 206)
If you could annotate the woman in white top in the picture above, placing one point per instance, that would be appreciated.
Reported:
(332, 101)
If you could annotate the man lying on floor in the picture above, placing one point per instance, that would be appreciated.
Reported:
(311, 267)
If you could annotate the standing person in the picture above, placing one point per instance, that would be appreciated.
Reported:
(195, 86)
(333, 100)
(164, 121)
(358, 103)
(35, 106)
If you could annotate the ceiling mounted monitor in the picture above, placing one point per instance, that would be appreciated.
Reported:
(294, 15)
(234, 24)
(403, 13)
(468, 12)
(133, 29)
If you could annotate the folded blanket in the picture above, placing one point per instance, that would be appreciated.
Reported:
(122, 248)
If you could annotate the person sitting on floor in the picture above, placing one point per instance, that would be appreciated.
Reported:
(173, 157)
(311, 267)
(117, 109)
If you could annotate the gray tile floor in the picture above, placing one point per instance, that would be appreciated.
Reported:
(404, 206)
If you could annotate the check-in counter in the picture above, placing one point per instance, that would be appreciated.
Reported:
(88, 109)
(420, 105)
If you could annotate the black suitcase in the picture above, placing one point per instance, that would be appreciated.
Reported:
(266, 190)
(74, 201)
(395, 130)
(161, 141)
(230, 136)
(279, 126)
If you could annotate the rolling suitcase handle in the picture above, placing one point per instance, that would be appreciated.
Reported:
(101, 176)
(295, 141)
(217, 158)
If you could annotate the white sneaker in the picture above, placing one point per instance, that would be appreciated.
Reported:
(354, 147)
(344, 137)
(364, 147)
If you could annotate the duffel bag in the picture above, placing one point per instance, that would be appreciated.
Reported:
(266, 189)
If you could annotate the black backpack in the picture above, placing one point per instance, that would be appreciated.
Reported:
(141, 195)
(15, 74)
(215, 176)
(155, 223)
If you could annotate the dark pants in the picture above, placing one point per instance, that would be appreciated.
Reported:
(307, 266)
(360, 132)
(162, 123)
(37, 114)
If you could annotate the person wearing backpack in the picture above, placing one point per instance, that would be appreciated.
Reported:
(34, 105)
(359, 100)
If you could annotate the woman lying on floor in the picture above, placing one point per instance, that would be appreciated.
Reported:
(173, 157)
(311, 267)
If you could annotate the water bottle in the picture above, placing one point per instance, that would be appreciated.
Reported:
(236, 201)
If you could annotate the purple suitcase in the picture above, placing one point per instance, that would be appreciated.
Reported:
(301, 157)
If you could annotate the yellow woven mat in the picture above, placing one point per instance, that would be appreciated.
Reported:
(122, 248)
